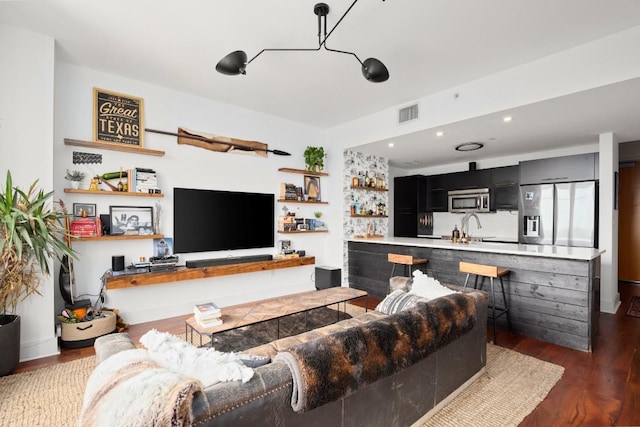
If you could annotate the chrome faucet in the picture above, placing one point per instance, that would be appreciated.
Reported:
(464, 224)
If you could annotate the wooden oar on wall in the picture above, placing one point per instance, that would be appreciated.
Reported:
(213, 143)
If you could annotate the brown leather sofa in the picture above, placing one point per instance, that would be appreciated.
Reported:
(398, 399)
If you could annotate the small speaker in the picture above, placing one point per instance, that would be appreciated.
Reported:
(117, 263)
(328, 277)
(472, 166)
(105, 224)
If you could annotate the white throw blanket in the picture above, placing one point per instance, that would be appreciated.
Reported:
(205, 364)
(129, 389)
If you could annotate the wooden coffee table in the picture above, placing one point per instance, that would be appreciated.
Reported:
(238, 316)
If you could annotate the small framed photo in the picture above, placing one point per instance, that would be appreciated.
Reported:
(312, 188)
(162, 248)
(84, 210)
(131, 220)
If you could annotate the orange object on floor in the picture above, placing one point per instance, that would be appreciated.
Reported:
(80, 312)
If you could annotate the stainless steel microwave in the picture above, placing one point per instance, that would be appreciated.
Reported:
(474, 200)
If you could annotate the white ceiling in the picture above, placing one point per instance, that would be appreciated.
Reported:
(427, 45)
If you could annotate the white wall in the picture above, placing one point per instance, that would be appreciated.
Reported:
(26, 149)
(609, 296)
(183, 166)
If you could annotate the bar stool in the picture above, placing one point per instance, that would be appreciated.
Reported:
(492, 272)
(407, 260)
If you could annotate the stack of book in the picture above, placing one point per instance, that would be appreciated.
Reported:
(164, 263)
(85, 227)
(144, 180)
(207, 315)
(289, 191)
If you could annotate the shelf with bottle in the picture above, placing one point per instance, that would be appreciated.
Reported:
(378, 210)
(365, 181)
(357, 187)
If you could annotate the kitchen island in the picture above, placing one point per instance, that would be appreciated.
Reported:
(553, 291)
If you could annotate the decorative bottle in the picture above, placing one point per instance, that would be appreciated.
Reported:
(455, 234)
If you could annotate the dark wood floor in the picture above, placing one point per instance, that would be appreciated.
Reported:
(597, 389)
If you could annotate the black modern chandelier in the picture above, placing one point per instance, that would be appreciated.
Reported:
(372, 69)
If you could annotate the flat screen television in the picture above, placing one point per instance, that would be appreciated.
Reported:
(213, 220)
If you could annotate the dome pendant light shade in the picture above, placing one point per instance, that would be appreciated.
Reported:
(374, 70)
(233, 64)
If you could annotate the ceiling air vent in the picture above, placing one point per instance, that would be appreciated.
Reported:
(407, 114)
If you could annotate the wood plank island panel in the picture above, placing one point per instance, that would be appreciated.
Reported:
(552, 299)
(184, 273)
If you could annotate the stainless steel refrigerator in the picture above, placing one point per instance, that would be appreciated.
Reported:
(559, 214)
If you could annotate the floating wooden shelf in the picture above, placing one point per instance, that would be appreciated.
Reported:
(358, 187)
(302, 231)
(118, 237)
(369, 216)
(311, 202)
(184, 273)
(303, 172)
(110, 193)
(114, 147)
(368, 236)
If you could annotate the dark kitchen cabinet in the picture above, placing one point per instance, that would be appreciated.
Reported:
(437, 196)
(409, 198)
(468, 179)
(505, 185)
(581, 167)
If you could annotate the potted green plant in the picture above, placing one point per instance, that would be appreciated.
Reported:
(75, 177)
(314, 158)
(31, 232)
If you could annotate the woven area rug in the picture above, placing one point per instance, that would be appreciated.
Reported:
(634, 307)
(49, 396)
(509, 390)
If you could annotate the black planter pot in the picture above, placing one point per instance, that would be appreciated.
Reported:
(9, 343)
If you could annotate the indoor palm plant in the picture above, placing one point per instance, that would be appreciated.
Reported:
(31, 232)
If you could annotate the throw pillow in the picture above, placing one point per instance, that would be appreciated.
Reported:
(205, 364)
(428, 287)
(397, 301)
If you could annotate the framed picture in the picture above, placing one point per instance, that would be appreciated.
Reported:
(84, 209)
(131, 220)
(163, 248)
(118, 118)
(312, 188)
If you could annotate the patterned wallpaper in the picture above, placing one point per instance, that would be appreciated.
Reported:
(354, 164)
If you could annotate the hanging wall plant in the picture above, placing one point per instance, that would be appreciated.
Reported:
(314, 158)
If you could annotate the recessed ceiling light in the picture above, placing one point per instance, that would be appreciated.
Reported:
(470, 146)
(439, 133)
(507, 119)
(390, 144)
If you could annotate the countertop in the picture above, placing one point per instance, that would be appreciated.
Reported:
(547, 251)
